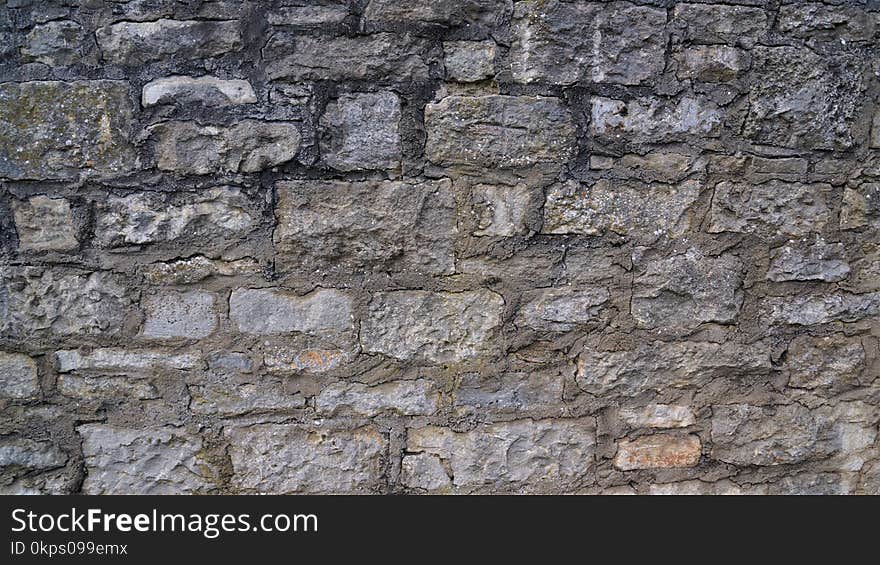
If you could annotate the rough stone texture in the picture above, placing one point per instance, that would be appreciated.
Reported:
(440, 246)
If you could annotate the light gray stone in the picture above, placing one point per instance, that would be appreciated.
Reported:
(561, 309)
(57, 44)
(806, 260)
(469, 61)
(171, 315)
(712, 63)
(44, 224)
(362, 131)
(658, 416)
(264, 311)
(136, 43)
(227, 395)
(651, 120)
(861, 207)
(834, 361)
(106, 388)
(308, 15)
(538, 392)
(424, 472)
(206, 90)
(836, 23)
(810, 309)
(23, 453)
(504, 211)
(418, 397)
(198, 268)
(720, 23)
(286, 360)
(124, 360)
(18, 376)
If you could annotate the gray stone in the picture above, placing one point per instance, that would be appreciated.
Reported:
(772, 208)
(316, 16)
(23, 453)
(515, 393)
(720, 23)
(835, 23)
(424, 472)
(686, 290)
(124, 360)
(172, 315)
(834, 361)
(136, 43)
(658, 165)
(248, 147)
(206, 90)
(264, 311)
(488, 13)
(296, 360)
(809, 309)
(469, 61)
(222, 213)
(18, 376)
(61, 130)
(565, 43)
(712, 63)
(106, 388)
(561, 309)
(346, 227)
(418, 397)
(696, 488)
(57, 44)
(431, 327)
(651, 120)
(525, 455)
(151, 460)
(361, 131)
(658, 416)
(227, 395)
(504, 211)
(642, 212)
(658, 451)
(62, 302)
(197, 268)
(383, 57)
(662, 366)
(861, 206)
(291, 458)
(806, 260)
(44, 224)
(498, 131)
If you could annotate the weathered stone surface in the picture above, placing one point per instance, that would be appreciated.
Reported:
(806, 260)
(284, 360)
(356, 226)
(658, 416)
(56, 44)
(564, 43)
(135, 43)
(432, 327)
(809, 309)
(721, 23)
(424, 472)
(834, 361)
(224, 396)
(124, 360)
(18, 376)
(221, 213)
(383, 57)
(517, 393)
(768, 435)
(504, 211)
(640, 211)
(658, 451)
(697, 487)
(661, 366)
(523, 455)
(488, 13)
(197, 268)
(308, 15)
(408, 398)
(161, 460)
(61, 302)
(282, 459)
(23, 453)
(772, 208)
(106, 388)
(44, 224)
(686, 290)
(60, 130)
(469, 61)
(651, 120)
(815, 20)
(249, 146)
(362, 131)
(861, 207)
(210, 91)
(172, 315)
(561, 309)
(800, 99)
(265, 311)
(712, 63)
(498, 131)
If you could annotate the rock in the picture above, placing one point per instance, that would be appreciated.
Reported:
(136, 43)
(431, 327)
(662, 166)
(662, 366)
(651, 120)
(773, 208)
(486, 13)
(283, 360)
(18, 377)
(712, 63)
(658, 451)
(469, 61)
(248, 147)
(263, 312)
(861, 207)
(45, 224)
(833, 361)
(561, 309)
(768, 435)
(424, 472)
(222, 213)
(800, 99)
(504, 211)
(197, 268)
(523, 455)
(57, 44)
(61, 130)
(124, 360)
(720, 23)
(686, 290)
(31, 455)
(516, 393)
(316, 16)
(658, 416)
(696, 487)
(419, 397)
(809, 309)
(806, 260)
(498, 131)
(151, 460)
(172, 315)
(834, 23)
(227, 395)
(38, 301)
(290, 458)
(565, 43)
(106, 388)
(643, 212)
(380, 57)
(206, 90)
(361, 131)
(386, 226)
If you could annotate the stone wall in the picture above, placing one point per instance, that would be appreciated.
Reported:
(439, 246)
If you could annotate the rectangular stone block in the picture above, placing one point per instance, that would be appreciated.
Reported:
(266, 311)
(362, 132)
(18, 376)
(658, 416)
(205, 90)
(652, 120)
(831, 362)
(486, 13)
(817, 308)
(170, 315)
(805, 260)
(511, 393)
(657, 452)
(562, 309)
(419, 397)
(44, 224)
(349, 227)
(720, 23)
(136, 43)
